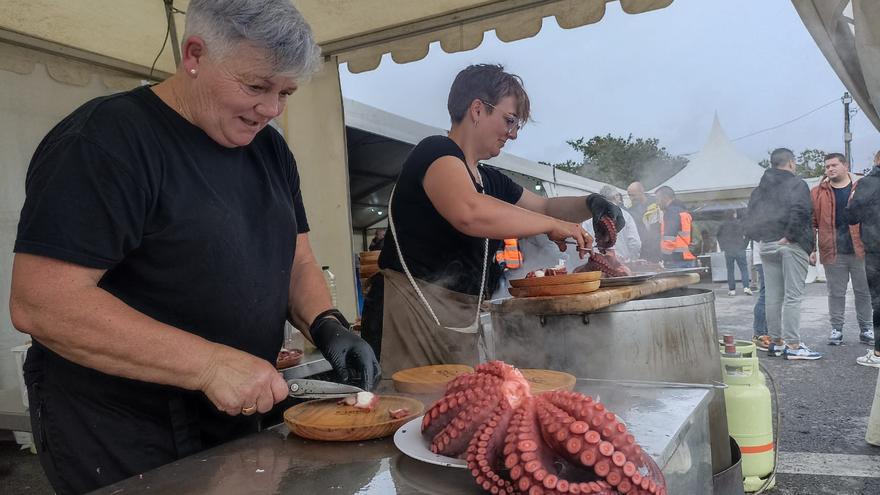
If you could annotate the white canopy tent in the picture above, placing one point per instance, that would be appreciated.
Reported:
(719, 177)
(718, 166)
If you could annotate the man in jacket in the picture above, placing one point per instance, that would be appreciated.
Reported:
(840, 249)
(780, 214)
(675, 231)
(864, 209)
(649, 231)
(733, 241)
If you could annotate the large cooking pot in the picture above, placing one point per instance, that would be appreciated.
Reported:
(668, 337)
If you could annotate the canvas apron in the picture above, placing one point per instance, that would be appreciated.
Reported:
(424, 323)
(411, 337)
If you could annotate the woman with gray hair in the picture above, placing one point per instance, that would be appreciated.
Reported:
(162, 246)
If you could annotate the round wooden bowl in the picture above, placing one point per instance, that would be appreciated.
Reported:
(548, 380)
(570, 278)
(555, 290)
(326, 419)
(427, 379)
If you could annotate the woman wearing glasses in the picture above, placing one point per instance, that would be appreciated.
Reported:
(447, 214)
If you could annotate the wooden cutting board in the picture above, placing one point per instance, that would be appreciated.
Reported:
(326, 419)
(555, 290)
(593, 301)
(571, 278)
(548, 380)
(427, 379)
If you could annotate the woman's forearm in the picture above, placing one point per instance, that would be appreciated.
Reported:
(568, 208)
(495, 219)
(93, 328)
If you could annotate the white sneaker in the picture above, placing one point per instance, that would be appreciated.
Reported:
(731, 293)
(747, 291)
(869, 359)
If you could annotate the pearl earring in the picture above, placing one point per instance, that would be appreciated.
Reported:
(192, 71)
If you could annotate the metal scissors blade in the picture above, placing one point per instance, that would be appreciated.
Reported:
(317, 389)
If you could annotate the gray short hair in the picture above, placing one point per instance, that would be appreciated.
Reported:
(608, 192)
(274, 25)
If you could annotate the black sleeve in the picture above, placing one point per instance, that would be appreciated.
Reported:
(302, 221)
(82, 205)
(800, 211)
(504, 188)
(862, 199)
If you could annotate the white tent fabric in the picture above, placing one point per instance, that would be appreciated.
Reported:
(718, 166)
(360, 32)
(848, 34)
(367, 118)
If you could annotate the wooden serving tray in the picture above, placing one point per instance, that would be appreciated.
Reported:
(326, 419)
(555, 290)
(548, 380)
(427, 379)
(570, 278)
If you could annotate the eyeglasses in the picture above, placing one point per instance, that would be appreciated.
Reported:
(514, 123)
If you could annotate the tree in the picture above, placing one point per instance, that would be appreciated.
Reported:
(620, 161)
(809, 163)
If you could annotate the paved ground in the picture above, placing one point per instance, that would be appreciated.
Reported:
(825, 406)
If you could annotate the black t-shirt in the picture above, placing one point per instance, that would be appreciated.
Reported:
(434, 250)
(844, 238)
(192, 234)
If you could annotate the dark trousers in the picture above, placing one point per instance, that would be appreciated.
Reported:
(760, 323)
(740, 259)
(872, 270)
(92, 430)
(372, 317)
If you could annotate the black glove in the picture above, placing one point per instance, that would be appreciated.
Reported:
(349, 355)
(601, 208)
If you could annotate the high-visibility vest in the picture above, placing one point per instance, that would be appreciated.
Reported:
(510, 256)
(678, 242)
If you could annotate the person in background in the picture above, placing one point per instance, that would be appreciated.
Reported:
(628, 244)
(863, 209)
(759, 314)
(378, 240)
(733, 241)
(675, 231)
(840, 249)
(162, 246)
(647, 216)
(780, 216)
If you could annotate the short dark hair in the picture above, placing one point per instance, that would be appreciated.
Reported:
(781, 156)
(832, 156)
(488, 83)
(665, 191)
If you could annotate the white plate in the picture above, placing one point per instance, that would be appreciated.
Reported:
(409, 439)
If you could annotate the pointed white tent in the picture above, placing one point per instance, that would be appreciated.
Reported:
(718, 166)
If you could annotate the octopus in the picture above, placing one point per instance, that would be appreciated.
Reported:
(603, 259)
(608, 263)
(551, 443)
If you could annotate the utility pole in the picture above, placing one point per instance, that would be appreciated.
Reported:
(847, 136)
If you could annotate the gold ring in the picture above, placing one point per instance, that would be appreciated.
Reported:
(247, 411)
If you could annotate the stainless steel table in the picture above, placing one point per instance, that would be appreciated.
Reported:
(671, 424)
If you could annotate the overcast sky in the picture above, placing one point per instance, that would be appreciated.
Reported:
(661, 74)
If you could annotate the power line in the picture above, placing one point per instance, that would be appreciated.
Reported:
(836, 100)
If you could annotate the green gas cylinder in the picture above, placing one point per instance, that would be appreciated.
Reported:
(749, 412)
